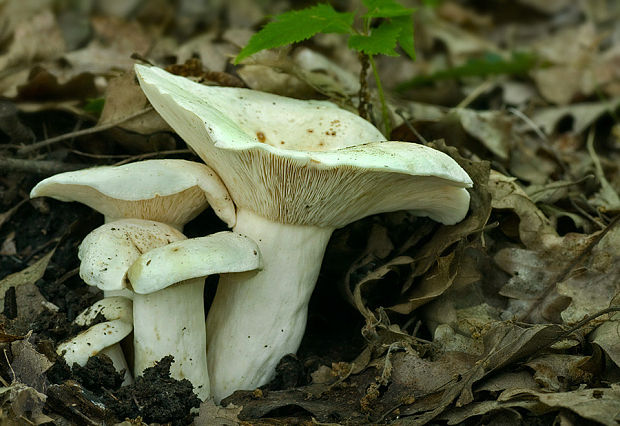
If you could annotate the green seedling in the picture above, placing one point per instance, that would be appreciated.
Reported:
(385, 25)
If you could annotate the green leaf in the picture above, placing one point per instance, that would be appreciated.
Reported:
(385, 9)
(405, 38)
(381, 41)
(94, 105)
(490, 64)
(297, 25)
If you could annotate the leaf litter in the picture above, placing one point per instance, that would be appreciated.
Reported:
(506, 316)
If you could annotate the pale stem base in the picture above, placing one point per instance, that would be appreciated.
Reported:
(116, 355)
(258, 317)
(171, 322)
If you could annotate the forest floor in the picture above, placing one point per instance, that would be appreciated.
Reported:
(508, 317)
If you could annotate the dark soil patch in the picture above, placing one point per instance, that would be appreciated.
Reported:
(156, 397)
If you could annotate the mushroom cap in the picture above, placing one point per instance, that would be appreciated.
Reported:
(305, 162)
(112, 308)
(118, 312)
(168, 191)
(107, 252)
(218, 253)
(92, 341)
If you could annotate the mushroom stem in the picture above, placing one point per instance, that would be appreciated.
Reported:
(258, 317)
(117, 356)
(171, 321)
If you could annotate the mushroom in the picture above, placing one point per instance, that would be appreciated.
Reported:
(167, 191)
(102, 337)
(168, 304)
(107, 253)
(296, 171)
(165, 271)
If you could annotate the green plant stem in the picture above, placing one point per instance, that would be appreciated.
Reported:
(384, 109)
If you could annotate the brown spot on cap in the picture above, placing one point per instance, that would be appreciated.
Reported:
(260, 136)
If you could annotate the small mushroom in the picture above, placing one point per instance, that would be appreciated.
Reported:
(167, 191)
(296, 171)
(102, 337)
(108, 251)
(168, 303)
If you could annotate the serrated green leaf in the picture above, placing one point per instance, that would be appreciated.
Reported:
(405, 38)
(297, 25)
(385, 9)
(381, 41)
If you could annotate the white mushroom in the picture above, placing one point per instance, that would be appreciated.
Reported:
(168, 304)
(167, 191)
(296, 170)
(101, 337)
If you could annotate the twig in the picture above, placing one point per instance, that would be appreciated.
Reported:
(577, 326)
(10, 366)
(364, 95)
(478, 90)
(543, 137)
(410, 126)
(89, 131)
(152, 154)
(38, 167)
(572, 265)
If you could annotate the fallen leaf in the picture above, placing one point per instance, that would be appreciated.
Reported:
(607, 336)
(560, 372)
(599, 404)
(124, 98)
(583, 115)
(30, 275)
(25, 403)
(29, 366)
(211, 414)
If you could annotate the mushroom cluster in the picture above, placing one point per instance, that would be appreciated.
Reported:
(283, 174)
(296, 170)
(152, 276)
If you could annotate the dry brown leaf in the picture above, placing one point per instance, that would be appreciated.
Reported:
(573, 52)
(124, 98)
(508, 380)
(601, 404)
(504, 344)
(494, 129)
(594, 285)
(458, 415)
(559, 372)
(29, 366)
(607, 336)
(36, 38)
(26, 276)
(535, 229)
(25, 404)
(438, 280)
(583, 114)
(211, 414)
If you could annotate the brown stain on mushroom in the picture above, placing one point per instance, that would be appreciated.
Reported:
(261, 136)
